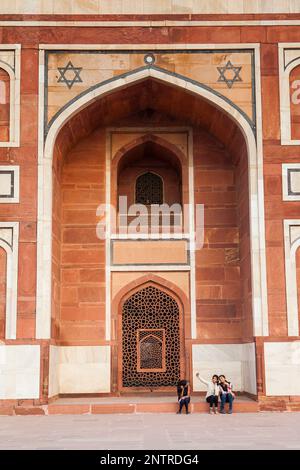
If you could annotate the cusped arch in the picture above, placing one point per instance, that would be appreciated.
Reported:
(145, 138)
(179, 158)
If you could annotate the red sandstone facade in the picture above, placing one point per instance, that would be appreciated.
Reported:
(212, 142)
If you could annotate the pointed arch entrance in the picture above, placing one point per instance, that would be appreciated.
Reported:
(254, 155)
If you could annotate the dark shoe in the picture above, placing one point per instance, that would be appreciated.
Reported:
(188, 413)
(230, 412)
(222, 412)
(178, 412)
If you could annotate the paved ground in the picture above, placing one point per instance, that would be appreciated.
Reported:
(151, 431)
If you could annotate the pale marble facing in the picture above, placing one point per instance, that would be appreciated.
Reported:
(79, 369)
(10, 61)
(235, 361)
(84, 7)
(291, 181)
(9, 242)
(19, 371)
(54, 371)
(291, 245)
(9, 184)
(282, 368)
(257, 224)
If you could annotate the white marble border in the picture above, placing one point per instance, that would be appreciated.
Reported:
(285, 183)
(284, 91)
(257, 223)
(16, 198)
(291, 244)
(149, 7)
(10, 246)
(14, 112)
(157, 46)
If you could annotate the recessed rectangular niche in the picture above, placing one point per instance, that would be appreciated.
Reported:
(291, 181)
(150, 252)
(9, 184)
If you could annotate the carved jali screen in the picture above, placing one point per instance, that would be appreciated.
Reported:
(150, 339)
(149, 189)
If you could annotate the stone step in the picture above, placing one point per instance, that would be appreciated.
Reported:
(142, 407)
(138, 404)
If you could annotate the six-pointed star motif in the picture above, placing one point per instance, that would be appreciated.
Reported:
(75, 73)
(229, 81)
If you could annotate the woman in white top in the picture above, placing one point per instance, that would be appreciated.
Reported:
(213, 391)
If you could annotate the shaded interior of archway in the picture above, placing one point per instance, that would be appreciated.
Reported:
(223, 277)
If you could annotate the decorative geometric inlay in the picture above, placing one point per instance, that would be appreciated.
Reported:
(229, 74)
(149, 189)
(72, 72)
(149, 59)
(150, 309)
(151, 350)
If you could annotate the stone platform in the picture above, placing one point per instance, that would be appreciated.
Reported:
(139, 404)
(120, 405)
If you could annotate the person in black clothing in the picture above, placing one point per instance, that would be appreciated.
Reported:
(183, 396)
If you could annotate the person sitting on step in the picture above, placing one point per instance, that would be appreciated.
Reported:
(183, 396)
(213, 391)
(226, 394)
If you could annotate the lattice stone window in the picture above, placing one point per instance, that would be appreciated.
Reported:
(149, 189)
(151, 350)
(150, 312)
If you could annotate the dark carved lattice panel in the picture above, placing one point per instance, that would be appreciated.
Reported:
(150, 350)
(149, 189)
(150, 309)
